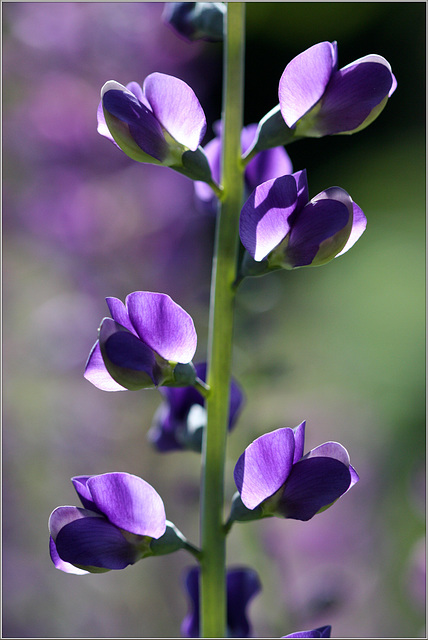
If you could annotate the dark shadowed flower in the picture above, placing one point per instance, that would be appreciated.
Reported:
(268, 164)
(320, 632)
(195, 20)
(181, 418)
(274, 478)
(160, 123)
(121, 515)
(242, 585)
(317, 99)
(280, 225)
(141, 344)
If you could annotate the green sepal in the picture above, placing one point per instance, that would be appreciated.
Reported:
(172, 540)
(271, 132)
(240, 513)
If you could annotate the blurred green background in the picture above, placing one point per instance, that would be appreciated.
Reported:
(342, 346)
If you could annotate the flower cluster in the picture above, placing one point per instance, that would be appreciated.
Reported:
(150, 341)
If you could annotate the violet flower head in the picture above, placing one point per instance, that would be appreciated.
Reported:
(180, 420)
(242, 584)
(318, 99)
(267, 164)
(161, 122)
(274, 478)
(319, 632)
(141, 344)
(280, 224)
(120, 517)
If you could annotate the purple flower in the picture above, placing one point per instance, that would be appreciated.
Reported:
(242, 585)
(268, 164)
(195, 20)
(320, 632)
(279, 223)
(142, 343)
(180, 420)
(274, 477)
(317, 99)
(159, 123)
(120, 517)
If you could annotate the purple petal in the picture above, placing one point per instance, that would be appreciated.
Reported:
(143, 125)
(304, 81)
(129, 503)
(96, 372)
(299, 441)
(319, 220)
(320, 632)
(64, 515)
(80, 484)
(60, 564)
(242, 585)
(264, 466)
(264, 220)
(330, 450)
(102, 127)
(268, 164)
(119, 313)
(312, 484)
(94, 542)
(163, 325)
(213, 152)
(359, 224)
(177, 108)
(351, 96)
(128, 359)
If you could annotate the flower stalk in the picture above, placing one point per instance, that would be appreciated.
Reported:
(213, 574)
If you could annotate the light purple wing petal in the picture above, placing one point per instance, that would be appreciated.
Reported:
(352, 94)
(96, 372)
(177, 108)
(163, 325)
(64, 515)
(264, 220)
(60, 564)
(304, 81)
(264, 466)
(299, 441)
(312, 484)
(330, 450)
(129, 503)
(95, 542)
(359, 225)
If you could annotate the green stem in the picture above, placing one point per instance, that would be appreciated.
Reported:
(213, 572)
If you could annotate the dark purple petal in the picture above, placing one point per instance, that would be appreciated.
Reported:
(299, 441)
(242, 585)
(143, 125)
(265, 217)
(64, 515)
(163, 325)
(312, 484)
(304, 81)
(129, 503)
(119, 313)
(264, 466)
(177, 108)
(320, 632)
(60, 564)
(80, 483)
(319, 220)
(352, 94)
(96, 372)
(128, 359)
(94, 542)
(359, 224)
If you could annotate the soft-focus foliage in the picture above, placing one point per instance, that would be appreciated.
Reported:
(342, 346)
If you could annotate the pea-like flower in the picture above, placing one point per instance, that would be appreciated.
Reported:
(141, 344)
(280, 225)
(121, 516)
(318, 99)
(161, 122)
(181, 419)
(274, 478)
(319, 632)
(242, 584)
(267, 164)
